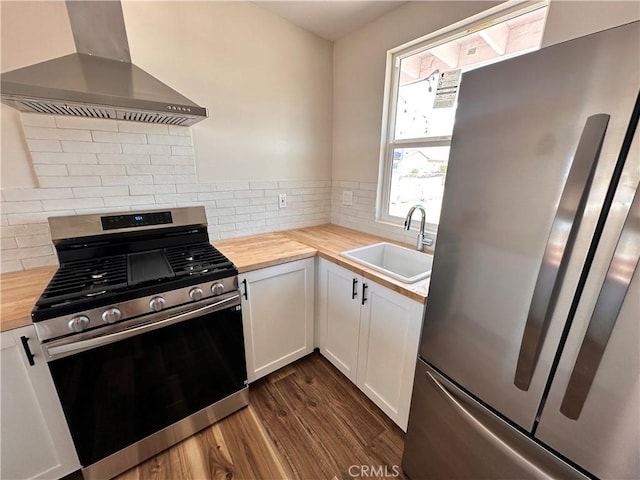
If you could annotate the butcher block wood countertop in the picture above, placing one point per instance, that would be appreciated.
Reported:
(19, 291)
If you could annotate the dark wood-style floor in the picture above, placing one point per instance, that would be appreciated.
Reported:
(304, 421)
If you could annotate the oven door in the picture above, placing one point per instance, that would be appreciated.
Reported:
(131, 393)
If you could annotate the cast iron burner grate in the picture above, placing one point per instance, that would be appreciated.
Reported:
(196, 259)
(85, 279)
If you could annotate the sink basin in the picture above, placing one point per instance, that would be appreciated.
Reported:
(398, 262)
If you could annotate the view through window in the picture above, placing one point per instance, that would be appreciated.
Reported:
(423, 105)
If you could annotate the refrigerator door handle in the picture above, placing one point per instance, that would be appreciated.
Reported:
(559, 246)
(605, 313)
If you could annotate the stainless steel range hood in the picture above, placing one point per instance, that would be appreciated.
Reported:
(99, 81)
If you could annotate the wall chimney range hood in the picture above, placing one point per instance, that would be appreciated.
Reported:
(99, 80)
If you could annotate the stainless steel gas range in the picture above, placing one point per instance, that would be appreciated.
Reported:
(142, 330)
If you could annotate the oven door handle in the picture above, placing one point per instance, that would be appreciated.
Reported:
(75, 347)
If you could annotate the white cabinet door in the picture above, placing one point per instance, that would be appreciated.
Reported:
(390, 325)
(277, 313)
(36, 442)
(339, 297)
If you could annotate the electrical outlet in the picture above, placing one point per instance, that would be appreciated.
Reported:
(347, 197)
(282, 200)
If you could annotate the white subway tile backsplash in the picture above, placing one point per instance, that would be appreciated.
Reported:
(231, 203)
(96, 169)
(176, 197)
(150, 169)
(72, 203)
(90, 147)
(207, 196)
(33, 240)
(174, 179)
(22, 230)
(8, 243)
(185, 170)
(37, 120)
(248, 193)
(23, 194)
(84, 123)
(11, 266)
(44, 145)
(45, 170)
(21, 207)
(172, 160)
(36, 262)
(123, 159)
(44, 133)
(146, 149)
(250, 209)
(168, 140)
(84, 192)
(232, 186)
(101, 210)
(29, 252)
(151, 189)
(63, 158)
(199, 187)
(96, 166)
(128, 200)
(181, 150)
(126, 179)
(290, 184)
(111, 137)
(69, 181)
(135, 127)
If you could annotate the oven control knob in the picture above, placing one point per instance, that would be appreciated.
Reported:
(78, 324)
(195, 294)
(156, 304)
(217, 288)
(111, 315)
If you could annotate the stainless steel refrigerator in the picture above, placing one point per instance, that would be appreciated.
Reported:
(529, 358)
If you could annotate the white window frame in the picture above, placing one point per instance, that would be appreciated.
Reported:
(460, 29)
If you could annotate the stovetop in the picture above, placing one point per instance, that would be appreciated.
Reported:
(85, 284)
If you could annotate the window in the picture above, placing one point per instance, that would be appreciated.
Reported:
(422, 100)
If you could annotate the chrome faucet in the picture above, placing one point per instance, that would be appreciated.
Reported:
(422, 239)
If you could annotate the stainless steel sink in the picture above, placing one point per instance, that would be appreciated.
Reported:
(404, 264)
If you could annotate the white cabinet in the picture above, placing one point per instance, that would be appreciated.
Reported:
(371, 334)
(36, 442)
(339, 297)
(277, 314)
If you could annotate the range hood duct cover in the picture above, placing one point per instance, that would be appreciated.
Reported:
(99, 81)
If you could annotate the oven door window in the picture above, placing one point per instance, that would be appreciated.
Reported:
(117, 394)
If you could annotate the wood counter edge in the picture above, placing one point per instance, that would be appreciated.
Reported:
(276, 261)
(311, 251)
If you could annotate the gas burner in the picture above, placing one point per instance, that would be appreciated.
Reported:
(99, 267)
(95, 294)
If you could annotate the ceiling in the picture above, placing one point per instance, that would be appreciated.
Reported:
(330, 19)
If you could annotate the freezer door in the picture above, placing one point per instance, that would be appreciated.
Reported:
(454, 437)
(595, 394)
(534, 146)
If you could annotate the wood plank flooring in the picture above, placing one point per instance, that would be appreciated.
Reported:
(305, 421)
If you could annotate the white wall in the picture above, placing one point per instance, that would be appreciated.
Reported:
(267, 85)
(359, 70)
(569, 19)
(31, 32)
